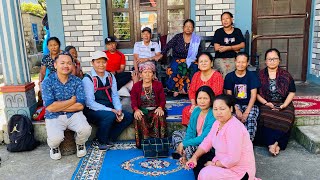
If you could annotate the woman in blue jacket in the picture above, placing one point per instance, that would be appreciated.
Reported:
(186, 143)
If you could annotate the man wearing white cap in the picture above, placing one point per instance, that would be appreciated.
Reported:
(103, 107)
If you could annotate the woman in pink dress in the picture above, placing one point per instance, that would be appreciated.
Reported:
(207, 76)
(234, 157)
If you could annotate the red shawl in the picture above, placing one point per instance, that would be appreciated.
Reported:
(283, 80)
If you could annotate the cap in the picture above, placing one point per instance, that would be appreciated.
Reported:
(98, 54)
(109, 39)
(146, 29)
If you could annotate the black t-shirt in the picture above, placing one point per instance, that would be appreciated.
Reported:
(241, 86)
(224, 39)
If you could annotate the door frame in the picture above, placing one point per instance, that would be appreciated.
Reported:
(305, 38)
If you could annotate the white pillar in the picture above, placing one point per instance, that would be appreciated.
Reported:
(18, 92)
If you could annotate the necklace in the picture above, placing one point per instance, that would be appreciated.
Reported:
(148, 92)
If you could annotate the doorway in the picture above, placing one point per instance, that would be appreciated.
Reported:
(282, 24)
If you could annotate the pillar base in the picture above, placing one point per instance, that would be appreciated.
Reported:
(19, 99)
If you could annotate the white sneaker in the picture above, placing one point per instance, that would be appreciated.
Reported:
(55, 153)
(81, 150)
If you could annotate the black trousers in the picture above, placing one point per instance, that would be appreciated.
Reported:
(122, 79)
(201, 161)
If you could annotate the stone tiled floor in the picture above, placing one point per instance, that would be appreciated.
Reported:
(307, 89)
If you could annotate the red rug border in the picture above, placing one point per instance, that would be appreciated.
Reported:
(309, 112)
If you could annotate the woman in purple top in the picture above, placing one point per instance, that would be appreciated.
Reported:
(184, 47)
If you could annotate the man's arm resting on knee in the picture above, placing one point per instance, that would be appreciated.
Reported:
(58, 106)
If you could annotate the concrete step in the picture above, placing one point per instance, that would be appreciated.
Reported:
(309, 137)
(307, 120)
(127, 134)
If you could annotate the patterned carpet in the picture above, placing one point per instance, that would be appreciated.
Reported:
(174, 109)
(307, 105)
(304, 106)
(125, 161)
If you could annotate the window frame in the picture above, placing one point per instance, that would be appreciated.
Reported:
(134, 18)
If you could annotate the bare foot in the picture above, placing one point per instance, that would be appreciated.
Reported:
(175, 94)
(277, 150)
(183, 160)
(272, 149)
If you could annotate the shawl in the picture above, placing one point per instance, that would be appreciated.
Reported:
(283, 80)
(193, 48)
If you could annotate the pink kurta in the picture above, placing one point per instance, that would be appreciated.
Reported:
(233, 149)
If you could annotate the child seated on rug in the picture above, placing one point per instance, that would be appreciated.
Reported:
(186, 143)
(148, 102)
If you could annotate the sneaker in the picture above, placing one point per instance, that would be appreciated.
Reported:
(95, 144)
(55, 153)
(81, 150)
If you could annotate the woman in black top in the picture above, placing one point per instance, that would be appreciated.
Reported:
(228, 40)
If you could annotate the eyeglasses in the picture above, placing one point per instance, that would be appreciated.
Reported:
(272, 59)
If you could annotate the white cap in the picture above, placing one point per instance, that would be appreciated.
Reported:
(99, 54)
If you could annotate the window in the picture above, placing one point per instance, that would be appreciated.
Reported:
(126, 18)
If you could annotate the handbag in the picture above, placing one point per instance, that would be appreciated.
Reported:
(155, 147)
(39, 114)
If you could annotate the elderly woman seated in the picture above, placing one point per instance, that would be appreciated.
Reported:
(148, 103)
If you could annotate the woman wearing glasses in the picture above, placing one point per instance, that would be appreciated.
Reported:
(276, 110)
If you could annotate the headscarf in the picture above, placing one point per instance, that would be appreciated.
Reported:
(147, 66)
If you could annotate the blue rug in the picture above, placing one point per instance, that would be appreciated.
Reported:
(174, 109)
(124, 161)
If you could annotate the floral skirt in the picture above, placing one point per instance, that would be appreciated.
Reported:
(150, 125)
(179, 75)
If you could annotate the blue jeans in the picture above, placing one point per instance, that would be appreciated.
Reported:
(108, 128)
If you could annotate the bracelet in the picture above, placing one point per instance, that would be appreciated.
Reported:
(265, 103)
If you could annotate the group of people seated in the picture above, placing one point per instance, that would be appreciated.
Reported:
(226, 99)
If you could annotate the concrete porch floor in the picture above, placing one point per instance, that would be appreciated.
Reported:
(307, 89)
(295, 163)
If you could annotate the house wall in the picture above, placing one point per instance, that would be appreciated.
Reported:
(83, 24)
(314, 44)
(27, 20)
(208, 15)
(83, 27)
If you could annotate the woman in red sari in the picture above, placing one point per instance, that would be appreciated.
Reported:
(148, 103)
(206, 76)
